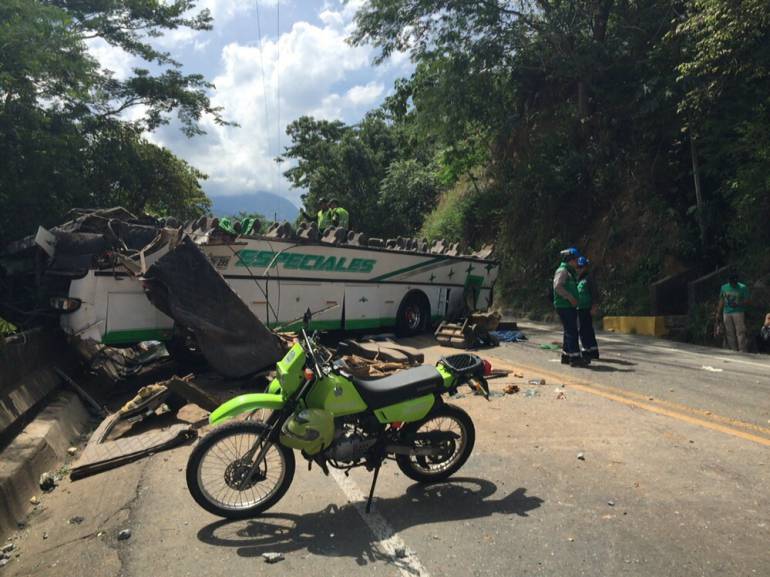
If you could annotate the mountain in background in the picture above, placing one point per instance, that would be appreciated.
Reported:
(266, 203)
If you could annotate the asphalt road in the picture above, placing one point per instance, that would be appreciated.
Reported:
(673, 480)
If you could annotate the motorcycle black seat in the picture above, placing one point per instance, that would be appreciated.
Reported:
(400, 386)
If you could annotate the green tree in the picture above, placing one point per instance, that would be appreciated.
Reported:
(362, 166)
(63, 139)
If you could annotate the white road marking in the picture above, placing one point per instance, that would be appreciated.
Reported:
(390, 542)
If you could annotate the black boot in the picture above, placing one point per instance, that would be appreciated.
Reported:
(565, 360)
(579, 362)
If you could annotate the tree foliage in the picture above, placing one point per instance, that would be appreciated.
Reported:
(368, 168)
(585, 122)
(64, 137)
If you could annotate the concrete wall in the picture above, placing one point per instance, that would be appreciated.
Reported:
(27, 372)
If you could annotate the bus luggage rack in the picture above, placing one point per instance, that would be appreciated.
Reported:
(463, 364)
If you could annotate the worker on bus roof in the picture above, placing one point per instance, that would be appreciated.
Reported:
(339, 215)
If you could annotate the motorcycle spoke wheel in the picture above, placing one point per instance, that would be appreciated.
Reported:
(453, 451)
(218, 473)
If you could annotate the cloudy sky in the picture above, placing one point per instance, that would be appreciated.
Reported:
(303, 65)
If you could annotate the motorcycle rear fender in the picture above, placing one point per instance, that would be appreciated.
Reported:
(245, 404)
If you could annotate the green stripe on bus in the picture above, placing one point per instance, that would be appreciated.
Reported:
(369, 323)
(408, 268)
(136, 336)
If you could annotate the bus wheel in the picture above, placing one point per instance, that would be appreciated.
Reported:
(413, 315)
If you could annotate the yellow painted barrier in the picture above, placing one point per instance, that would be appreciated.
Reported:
(651, 326)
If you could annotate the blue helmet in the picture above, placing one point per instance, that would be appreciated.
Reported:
(583, 261)
(569, 253)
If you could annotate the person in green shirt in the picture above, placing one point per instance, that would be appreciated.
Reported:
(339, 215)
(323, 217)
(565, 301)
(588, 301)
(733, 300)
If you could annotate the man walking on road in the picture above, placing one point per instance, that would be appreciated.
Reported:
(565, 300)
(733, 299)
(588, 299)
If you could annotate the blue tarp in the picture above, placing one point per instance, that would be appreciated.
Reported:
(509, 336)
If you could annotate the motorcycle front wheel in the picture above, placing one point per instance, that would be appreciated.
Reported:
(458, 437)
(218, 467)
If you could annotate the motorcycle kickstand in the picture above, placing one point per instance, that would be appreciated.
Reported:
(371, 490)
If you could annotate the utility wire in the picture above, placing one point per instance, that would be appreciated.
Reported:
(262, 68)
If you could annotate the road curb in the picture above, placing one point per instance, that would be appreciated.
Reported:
(39, 447)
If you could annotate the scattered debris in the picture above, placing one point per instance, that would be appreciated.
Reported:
(497, 374)
(124, 534)
(561, 396)
(72, 451)
(4, 561)
(34, 500)
(550, 347)
(581, 457)
(76, 520)
(45, 535)
(511, 389)
(401, 552)
(611, 503)
(7, 548)
(273, 557)
(47, 481)
(570, 539)
(711, 369)
(82, 393)
(476, 330)
(518, 375)
(531, 393)
(536, 382)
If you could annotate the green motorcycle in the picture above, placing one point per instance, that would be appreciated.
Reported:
(334, 419)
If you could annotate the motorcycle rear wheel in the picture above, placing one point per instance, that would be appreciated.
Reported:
(431, 469)
(216, 469)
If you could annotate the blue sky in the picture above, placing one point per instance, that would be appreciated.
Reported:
(307, 68)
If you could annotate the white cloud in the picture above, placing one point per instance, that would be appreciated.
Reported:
(112, 58)
(311, 66)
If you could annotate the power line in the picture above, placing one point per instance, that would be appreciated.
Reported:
(262, 68)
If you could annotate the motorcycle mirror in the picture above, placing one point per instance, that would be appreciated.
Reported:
(306, 318)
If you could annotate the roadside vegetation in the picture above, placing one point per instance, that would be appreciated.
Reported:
(72, 134)
(637, 131)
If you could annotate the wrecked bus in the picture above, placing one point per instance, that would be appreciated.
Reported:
(345, 279)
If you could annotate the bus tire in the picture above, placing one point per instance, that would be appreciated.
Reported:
(413, 315)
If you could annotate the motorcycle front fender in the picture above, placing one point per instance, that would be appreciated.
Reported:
(245, 404)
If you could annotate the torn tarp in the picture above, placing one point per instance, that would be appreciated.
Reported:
(185, 286)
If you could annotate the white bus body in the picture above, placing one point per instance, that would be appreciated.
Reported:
(346, 287)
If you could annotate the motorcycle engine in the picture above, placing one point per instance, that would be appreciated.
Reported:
(349, 446)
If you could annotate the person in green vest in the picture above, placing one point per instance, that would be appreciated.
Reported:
(588, 300)
(565, 301)
(733, 300)
(339, 215)
(324, 215)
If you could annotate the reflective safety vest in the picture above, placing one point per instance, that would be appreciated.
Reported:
(584, 294)
(343, 218)
(571, 285)
(324, 219)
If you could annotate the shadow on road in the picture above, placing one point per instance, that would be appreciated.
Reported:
(605, 369)
(616, 362)
(337, 531)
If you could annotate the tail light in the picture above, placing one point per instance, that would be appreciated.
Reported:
(309, 375)
(487, 367)
(65, 304)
